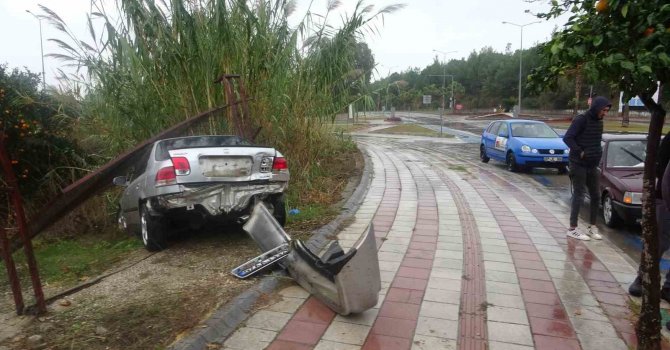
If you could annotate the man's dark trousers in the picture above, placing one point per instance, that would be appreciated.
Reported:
(584, 177)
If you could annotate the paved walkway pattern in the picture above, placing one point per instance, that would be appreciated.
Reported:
(469, 259)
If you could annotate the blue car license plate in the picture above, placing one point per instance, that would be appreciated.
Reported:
(552, 159)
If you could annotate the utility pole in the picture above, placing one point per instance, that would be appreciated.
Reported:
(444, 76)
(520, 54)
(44, 84)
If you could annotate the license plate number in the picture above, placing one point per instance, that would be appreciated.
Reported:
(552, 159)
(225, 166)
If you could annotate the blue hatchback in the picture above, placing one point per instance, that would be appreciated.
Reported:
(524, 144)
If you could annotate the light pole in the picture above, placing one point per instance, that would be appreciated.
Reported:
(444, 77)
(41, 47)
(520, 54)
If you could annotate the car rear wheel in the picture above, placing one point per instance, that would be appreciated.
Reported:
(610, 216)
(482, 154)
(511, 163)
(152, 233)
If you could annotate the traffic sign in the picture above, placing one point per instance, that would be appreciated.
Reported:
(427, 99)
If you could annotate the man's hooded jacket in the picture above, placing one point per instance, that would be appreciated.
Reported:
(585, 134)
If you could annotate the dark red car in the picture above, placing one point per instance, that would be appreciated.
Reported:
(621, 169)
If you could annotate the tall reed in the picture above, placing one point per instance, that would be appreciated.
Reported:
(154, 66)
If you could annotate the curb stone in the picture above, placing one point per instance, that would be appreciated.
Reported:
(227, 318)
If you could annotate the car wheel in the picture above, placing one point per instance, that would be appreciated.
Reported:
(482, 154)
(278, 208)
(152, 233)
(511, 163)
(610, 215)
(563, 169)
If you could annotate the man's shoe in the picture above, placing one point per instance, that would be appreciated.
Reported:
(635, 288)
(592, 231)
(576, 233)
(665, 294)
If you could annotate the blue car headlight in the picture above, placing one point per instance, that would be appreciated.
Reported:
(525, 149)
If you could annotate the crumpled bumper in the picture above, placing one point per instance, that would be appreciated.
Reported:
(347, 282)
(220, 198)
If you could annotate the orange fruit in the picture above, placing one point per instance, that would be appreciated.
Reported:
(601, 6)
(649, 31)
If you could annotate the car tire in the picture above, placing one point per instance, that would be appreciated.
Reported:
(482, 154)
(563, 169)
(278, 209)
(151, 231)
(610, 216)
(511, 163)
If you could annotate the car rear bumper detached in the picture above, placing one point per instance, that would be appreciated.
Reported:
(347, 282)
(220, 198)
(628, 212)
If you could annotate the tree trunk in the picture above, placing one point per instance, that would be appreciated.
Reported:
(625, 115)
(578, 89)
(649, 325)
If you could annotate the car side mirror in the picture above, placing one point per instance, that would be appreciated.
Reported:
(120, 181)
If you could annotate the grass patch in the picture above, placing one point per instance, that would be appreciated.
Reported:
(615, 126)
(411, 129)
(67, 261)
(458, 168)
(350, 127)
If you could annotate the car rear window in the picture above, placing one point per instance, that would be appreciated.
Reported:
(536, 130)
(626, 154)
(163, 148)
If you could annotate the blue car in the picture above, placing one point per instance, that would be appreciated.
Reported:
(523, 145)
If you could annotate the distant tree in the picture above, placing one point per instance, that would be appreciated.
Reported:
(627, 43)
(364, 60)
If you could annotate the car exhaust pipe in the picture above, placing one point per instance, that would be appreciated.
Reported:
(347, 282)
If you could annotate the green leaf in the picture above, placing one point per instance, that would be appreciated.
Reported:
(597, 40)
(624, 10)
(645, 69)
(556, 48)
(579, 50)
(627, 65)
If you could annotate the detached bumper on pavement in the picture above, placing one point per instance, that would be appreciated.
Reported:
(347, 282)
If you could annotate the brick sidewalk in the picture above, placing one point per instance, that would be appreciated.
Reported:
(466, 262)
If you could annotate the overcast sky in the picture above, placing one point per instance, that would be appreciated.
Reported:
(406, 38)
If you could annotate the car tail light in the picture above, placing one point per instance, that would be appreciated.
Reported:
(181, 166)
(166, 176)
(279, 164)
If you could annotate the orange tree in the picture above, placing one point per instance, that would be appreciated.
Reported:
(627, 43)
(37, 130)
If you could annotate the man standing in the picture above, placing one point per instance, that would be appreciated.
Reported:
(583, 138)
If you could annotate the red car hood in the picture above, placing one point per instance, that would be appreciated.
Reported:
(628, 180)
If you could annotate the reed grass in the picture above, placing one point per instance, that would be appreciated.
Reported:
(154, 66)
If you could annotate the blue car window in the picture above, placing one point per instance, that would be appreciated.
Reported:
(504, 131)
(534, 130)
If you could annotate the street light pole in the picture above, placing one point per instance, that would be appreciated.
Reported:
(520, 55)
(41, 47)
(444, 77)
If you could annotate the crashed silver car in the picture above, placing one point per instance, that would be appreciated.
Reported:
(188, 180)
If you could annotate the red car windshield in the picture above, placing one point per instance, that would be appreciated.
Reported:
(626, 154)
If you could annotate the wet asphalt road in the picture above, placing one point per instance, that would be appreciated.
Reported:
(627, 238)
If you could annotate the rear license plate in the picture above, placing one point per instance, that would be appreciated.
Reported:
(552, 159)
(225, 166)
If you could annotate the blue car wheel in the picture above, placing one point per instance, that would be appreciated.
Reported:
(482, 154)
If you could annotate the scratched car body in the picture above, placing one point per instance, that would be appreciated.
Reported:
(187, 181)
(523, 145)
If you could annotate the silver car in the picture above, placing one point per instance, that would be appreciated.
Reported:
(188, 180)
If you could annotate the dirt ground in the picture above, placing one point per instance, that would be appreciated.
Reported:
(152, 299)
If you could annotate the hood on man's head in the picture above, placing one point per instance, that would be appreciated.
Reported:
(599, 103)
